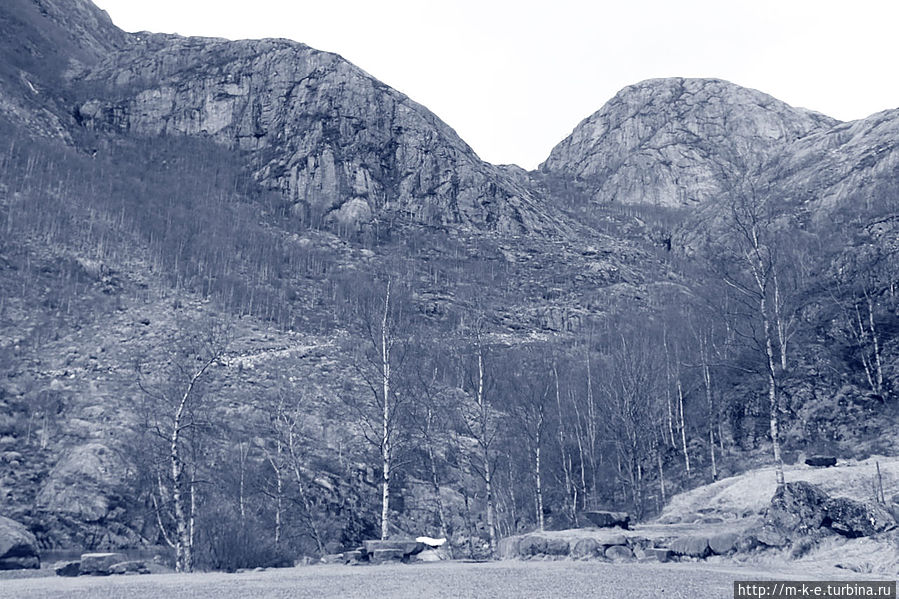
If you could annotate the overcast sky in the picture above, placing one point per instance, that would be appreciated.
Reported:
(513, 78)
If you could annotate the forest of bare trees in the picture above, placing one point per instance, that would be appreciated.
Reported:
(504, 431)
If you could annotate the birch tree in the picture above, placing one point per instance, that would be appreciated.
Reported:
(382, 411)
(176, 406)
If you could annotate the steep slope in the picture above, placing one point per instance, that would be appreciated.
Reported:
(675, 142)
(851, 167)
(41, 41)
(158, 181)
(342, 146)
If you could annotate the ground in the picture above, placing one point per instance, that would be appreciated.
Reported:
(458, 580)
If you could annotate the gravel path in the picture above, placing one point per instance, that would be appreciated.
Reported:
(508, 579)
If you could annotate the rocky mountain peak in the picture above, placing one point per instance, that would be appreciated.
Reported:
(674, 142)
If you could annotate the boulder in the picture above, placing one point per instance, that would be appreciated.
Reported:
(655, 554)
(350, 557)
(67, 568)
(508, 548)
(746, 542)
(99, 564)
(531, 545)
(603, 519)
(406, 547)
(380, 556)
(332, 558)
(852, 518)
(20, 563)
(767, 535)
(619, 553)
(130, 567)
(18, 547)
(431, 555)
(797, 509)
(614, 540)
(821, 461)
(585, 548)
(693, 546)
(538, 545)
(555, 546)
(723, 542)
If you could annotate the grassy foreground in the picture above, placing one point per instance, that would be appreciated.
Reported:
(508, 579)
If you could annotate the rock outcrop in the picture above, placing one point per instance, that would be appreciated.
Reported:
(85, 483)
(801, 510)
(18, 547)
(342, 147)
(676, 142)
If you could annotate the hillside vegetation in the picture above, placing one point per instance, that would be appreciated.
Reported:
(347, 325)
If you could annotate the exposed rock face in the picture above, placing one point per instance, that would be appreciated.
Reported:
(849, 166)
(84, 483)
(341, 145)
(18, 547)
(42, 40)
(676, 142)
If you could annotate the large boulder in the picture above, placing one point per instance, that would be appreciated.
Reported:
(613, 540)
(131, 567)
(618, 553)
(508, 548)
(693, 546)
(432, 555)
(18, 547)
(585, 548)
(797, 510)
(802, 510)
(852, 518)
(539, 545)
(603, 519)
(407, 548)
(67, 568)
(821, 461)
(381, 556)
(100, 564)
(656, 554)
(723, 543)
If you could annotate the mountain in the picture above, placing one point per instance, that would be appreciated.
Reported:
(676, 142)
(161, 193)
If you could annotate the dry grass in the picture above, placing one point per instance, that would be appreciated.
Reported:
(509, 579)
(750, 492)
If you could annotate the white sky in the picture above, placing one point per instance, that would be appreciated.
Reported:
(513, 78)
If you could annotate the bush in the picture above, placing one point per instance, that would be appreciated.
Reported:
(227, 544)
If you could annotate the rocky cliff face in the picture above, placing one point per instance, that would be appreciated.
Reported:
(343, 147)
(850, 166)
(676, 142)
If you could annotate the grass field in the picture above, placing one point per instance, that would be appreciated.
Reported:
(507, 579)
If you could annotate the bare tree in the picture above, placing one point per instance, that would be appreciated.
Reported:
(382, 411)
(175, 416)
(481, 423)
(751, 245)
